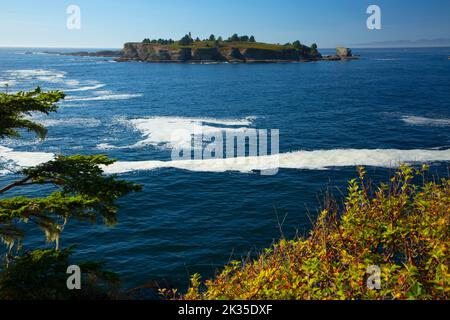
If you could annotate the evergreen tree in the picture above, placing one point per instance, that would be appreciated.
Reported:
(297, 44)
(186, 40)
(244, 38)
(234, 38)
(80, 191)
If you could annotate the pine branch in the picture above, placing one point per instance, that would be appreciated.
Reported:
(15, 184)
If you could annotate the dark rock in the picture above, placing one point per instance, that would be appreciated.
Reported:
(105, 53)
(207, 54)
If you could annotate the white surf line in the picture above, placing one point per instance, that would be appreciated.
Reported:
(86, 88)
(175, 132)
(415, 120)
(23, 159)
(125, 96)
(70, 122)
(300, 160)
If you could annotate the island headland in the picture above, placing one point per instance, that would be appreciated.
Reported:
(236, 49)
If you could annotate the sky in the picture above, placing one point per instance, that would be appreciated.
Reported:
(110, 23)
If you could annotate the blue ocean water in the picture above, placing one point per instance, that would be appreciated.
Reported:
(190, 221)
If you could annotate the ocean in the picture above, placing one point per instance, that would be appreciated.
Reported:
(391, 106)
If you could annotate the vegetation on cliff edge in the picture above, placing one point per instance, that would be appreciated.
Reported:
(234, 41)
(401, 227)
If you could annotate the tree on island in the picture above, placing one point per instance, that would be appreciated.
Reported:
(186, 40)
(314, 46)
(79, 190)
(297, 44)
(212, 38)
(244, 38)
(234, 38)
(159, 41)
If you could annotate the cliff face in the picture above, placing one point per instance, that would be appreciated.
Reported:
(343, 52)
(156, 53)
(166, 53)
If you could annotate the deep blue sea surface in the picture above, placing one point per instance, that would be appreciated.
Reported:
(392, 104)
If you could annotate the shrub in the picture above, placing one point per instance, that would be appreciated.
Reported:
(401, 227)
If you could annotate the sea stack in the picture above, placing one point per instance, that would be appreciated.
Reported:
(344, 52)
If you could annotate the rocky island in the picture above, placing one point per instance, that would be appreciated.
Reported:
(236, 49)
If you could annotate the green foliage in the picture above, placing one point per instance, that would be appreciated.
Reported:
(82, 192)
(41, 275)
(159, 41)
(236, 38)
(297, 44)
(15, 107)
(186, 40)
(78, 189)
(235, 41)
(401, 227)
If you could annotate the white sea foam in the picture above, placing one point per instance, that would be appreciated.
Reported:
(72, 82)
(175, 132)
(423, 121)
(52, 76)
(387, 59)
(9, 83)
(86, 88)
(72, 122)
(105, 97)
(12, 160)
(300, 160)
(37, 74)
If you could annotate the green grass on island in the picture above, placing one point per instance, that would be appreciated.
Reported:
(235, 41)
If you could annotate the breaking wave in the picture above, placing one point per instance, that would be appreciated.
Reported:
(300, 160)
(423, 121)
(175, 132)
(86, 88)
(11, 160)
(37, 74)
(105, 97)
(72, 122)
(50, 76)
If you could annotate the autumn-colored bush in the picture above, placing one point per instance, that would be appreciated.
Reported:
(400, 227)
